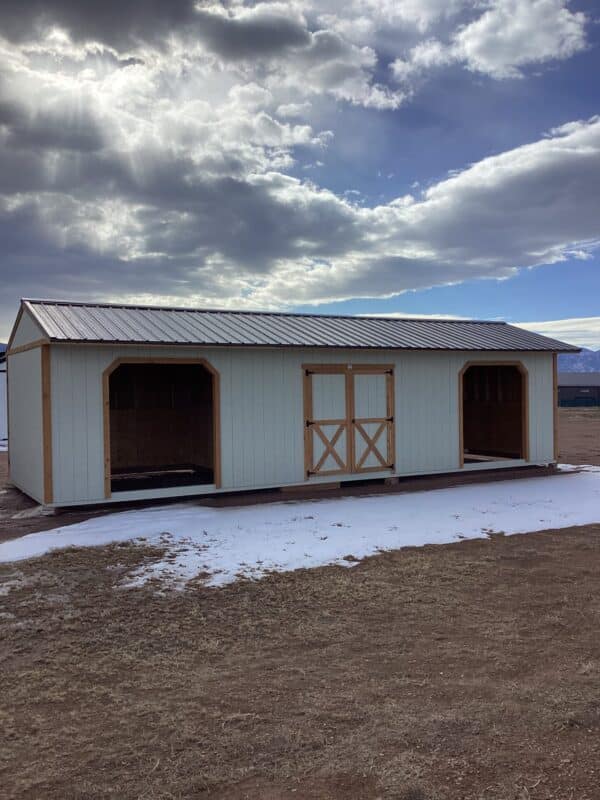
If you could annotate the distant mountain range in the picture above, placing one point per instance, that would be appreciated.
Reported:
(586, 361)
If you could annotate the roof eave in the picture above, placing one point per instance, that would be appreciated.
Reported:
(565, 348)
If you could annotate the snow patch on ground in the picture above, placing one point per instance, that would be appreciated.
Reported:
(222, 544)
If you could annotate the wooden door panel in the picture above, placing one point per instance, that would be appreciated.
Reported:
(373, 421)
(349, 419)
(326, 435)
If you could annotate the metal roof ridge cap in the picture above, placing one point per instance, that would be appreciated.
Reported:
(249, 312)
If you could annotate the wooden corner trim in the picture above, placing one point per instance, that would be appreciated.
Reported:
(46, 375)
(216, 386)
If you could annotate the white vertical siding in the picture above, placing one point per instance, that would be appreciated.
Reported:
(25, 422)
(262, 419)
(427, 426)
(541, 407)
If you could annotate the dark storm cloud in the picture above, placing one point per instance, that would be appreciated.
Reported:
(52, 130)
(35, 264)
(182, 213)
(256, 33)
(119, 23)
(262, 31)
(246, 224)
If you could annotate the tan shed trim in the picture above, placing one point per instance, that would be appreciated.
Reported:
(14, 328)
(524, 404)
(158, 360)
(47, 423)
(24, 347)
(350, 410)
(391, 406)
(341, 369)
(308, 439)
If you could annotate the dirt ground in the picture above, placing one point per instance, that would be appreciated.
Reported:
(459, 672)
(579, 436)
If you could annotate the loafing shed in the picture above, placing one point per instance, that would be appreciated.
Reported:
(579, 389)
(112, 402)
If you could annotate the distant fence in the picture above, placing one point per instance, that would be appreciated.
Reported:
(578, 396)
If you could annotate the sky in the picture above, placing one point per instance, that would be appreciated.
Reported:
(407, 157)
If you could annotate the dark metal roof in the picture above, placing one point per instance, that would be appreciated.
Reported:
(579, 379)
(104, 323)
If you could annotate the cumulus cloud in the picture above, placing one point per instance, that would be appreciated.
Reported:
(507, 37)
(148, 157)
(362, 20)
(582, 331)
(423, 57)
(512, 34)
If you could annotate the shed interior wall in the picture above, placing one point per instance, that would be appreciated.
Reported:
(261, 411)
(494, 402)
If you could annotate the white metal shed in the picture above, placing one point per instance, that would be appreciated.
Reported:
(113, 402)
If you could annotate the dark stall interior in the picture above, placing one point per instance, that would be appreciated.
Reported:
(494, 408)
(161, 426)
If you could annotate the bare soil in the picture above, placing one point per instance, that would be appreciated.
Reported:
(579, 435)
(468, 671)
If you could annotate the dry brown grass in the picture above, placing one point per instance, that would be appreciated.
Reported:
(462, 671)
(579, 430)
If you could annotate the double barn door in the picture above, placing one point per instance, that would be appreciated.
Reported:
(349, 419)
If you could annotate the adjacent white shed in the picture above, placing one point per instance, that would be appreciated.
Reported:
(110, 403)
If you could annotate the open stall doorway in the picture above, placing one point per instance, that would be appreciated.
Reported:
(494, 412)
(162, 426)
